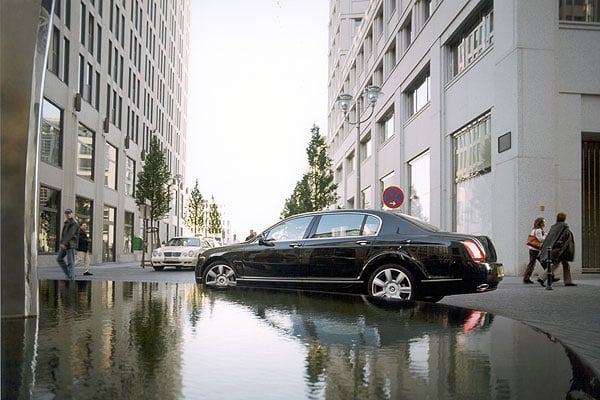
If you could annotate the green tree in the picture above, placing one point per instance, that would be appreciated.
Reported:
(316, 190)
(215, 226)
(153, 183)
(195, 210)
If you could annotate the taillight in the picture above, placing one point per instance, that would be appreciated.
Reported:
(475, 250)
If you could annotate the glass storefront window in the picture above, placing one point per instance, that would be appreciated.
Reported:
(110, 166)
(128, 233)
(84, 211)
(85, 152)
(51, 134)
(49, 224)
(108, 234)
(420, 187)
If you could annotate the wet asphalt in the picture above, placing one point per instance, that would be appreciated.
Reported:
(568, 314)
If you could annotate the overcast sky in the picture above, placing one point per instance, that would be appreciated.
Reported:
(258, 82)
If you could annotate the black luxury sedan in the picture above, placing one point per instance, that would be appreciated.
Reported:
(379, 253)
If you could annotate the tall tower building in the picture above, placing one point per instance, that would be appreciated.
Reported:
(116, 76)
(489, 115)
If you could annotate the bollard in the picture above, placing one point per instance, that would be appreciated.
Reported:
(549, 269)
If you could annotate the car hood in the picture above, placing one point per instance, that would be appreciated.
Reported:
(178, 248)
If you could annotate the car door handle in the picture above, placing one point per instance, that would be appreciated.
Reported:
(363, 242)
(297, 244)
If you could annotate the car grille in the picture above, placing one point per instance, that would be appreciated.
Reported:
(172, 253)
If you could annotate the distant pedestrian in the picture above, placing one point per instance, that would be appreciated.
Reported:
(534, 249)
(83, 247)
(252, 235)
(560, 240)
(69, 239)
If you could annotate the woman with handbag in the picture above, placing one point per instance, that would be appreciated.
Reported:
(534, 244)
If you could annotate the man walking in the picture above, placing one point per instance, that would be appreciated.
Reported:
(82, 249)
(69, 239)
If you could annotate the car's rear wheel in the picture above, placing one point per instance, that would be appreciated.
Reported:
(392, 281)
(219, 276)
(158, 268)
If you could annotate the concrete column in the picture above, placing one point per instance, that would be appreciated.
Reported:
(24, 34)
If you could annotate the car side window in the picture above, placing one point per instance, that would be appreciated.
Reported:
(339, 225)
(293, 229)
(371, 226)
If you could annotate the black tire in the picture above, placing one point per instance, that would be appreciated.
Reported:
(157, 268)
(392, 281)
(219, 275)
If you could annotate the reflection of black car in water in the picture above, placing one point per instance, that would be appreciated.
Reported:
(379, 253)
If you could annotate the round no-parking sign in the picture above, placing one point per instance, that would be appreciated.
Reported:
(393, 197)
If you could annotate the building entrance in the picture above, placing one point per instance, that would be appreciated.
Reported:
(590, 170)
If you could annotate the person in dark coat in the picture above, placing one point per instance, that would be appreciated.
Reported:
(560, 240)
(83, 249)
(69, 240)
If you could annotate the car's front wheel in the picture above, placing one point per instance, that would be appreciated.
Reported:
(219, 276)
(392, 281)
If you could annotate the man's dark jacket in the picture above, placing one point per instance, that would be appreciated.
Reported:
(560, 239)
(83, 241)
(70, 233)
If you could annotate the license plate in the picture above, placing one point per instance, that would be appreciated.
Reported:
(500, 272)
(171, 260)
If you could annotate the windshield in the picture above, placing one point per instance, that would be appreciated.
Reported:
(193, 242)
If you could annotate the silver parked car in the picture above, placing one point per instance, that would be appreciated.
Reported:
(180, 252)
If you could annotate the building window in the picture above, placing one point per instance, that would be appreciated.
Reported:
(366, 147)
(54, 56)
(49, 227)
(366, 201)
(406, 33)
(85, 152)
(472, 146)
(424, 11)
(418, 95)
(384, 183)
(129, 177)
(82, 31)
(110, 166)
(378, 23)
(66, 50)
(390, 59)
(52, 136)
(579, 10)
(472, 40)
(128, 233)
(87, 88)
(68, 13)
(90, 39)
(81, 83)
(420, 187)
(386, 127)
(84, 212)
(350, 160)
(108, 234)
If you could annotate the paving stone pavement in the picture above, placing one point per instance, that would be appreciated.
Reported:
(569, 314)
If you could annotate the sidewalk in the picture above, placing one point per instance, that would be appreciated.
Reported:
(569, 314)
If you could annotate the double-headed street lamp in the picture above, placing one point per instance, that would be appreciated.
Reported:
(345, 103)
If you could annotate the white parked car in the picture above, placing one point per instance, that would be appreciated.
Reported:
(180, 252)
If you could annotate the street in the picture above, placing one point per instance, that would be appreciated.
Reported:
(569, 314)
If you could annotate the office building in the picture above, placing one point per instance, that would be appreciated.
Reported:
(116, 76)
(489, 117)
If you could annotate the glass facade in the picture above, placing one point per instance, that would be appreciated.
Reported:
(86, 142)
(49, 222)
(108, 234)
(420, 187)
(51, 134)
(110, 166)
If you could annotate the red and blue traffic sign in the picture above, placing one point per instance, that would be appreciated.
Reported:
(393, 197)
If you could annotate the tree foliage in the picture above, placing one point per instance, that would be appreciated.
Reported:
(215, 225)
(316, 190)
(153, 183)
(194, 217)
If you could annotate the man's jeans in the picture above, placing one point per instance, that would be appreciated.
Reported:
(69, 267)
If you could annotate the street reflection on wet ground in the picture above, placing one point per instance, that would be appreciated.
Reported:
(98, 340)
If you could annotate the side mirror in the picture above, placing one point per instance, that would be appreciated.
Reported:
(265, 242)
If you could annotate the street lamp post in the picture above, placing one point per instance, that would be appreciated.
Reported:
(345, 103)
(177, 179)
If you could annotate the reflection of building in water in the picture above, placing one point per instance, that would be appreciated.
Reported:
(112, 339)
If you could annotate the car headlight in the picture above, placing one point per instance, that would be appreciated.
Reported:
(155, 253)
(190, 253)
